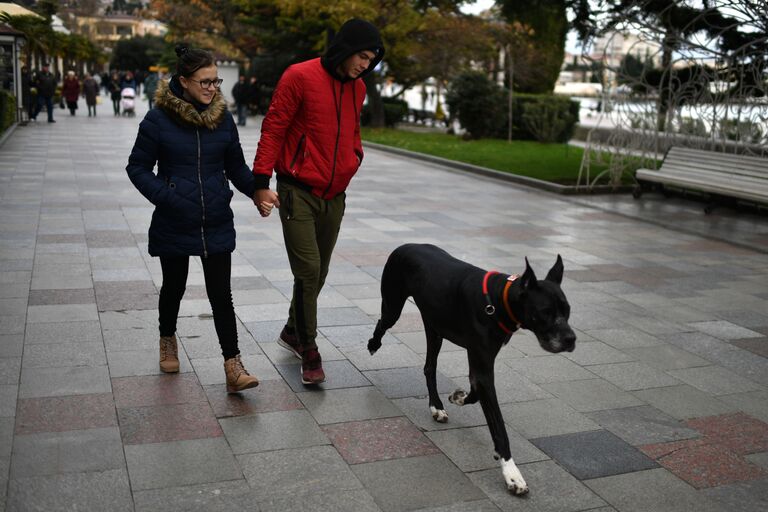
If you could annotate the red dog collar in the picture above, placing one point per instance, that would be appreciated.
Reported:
(490, 309)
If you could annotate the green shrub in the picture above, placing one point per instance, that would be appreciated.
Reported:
(395, 111)
(549, 119)
(743, 131)
(7, 110)
(473, 99)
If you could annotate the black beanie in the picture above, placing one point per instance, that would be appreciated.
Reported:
(354, 35)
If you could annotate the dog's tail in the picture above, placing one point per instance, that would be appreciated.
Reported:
(393, 296)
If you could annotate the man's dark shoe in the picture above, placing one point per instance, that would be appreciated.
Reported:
(289, 342)
(312, 367)
(51, 120)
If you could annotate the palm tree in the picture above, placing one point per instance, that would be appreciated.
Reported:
(36, 30)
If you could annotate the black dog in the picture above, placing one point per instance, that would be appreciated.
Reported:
(479, 311)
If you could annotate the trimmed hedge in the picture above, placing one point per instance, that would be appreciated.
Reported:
(7, 110)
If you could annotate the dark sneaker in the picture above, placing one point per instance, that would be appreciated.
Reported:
(289, 342)
(312, 367)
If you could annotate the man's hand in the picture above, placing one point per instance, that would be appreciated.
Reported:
(265, 199)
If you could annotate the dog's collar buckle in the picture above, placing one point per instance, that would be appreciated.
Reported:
(490, 310)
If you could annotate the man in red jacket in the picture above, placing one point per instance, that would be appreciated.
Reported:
(310, 137)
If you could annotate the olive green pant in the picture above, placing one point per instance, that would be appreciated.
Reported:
(310, 229)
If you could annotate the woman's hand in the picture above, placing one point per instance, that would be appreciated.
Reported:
(265, 199)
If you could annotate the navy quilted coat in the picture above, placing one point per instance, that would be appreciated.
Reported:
(197, 152)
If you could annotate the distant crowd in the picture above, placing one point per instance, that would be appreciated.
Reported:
(41, 89)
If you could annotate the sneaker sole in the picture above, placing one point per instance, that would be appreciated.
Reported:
(286, 346)
(311, 382)
(169, 370)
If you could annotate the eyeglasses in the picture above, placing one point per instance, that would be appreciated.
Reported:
(206, 84)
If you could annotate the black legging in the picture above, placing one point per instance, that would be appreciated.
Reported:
(116, 105)
(217, 269)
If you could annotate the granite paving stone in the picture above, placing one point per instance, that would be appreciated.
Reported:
(298, 472)
(58, 414)
(683, 402)
(152, 390)
(595, 454)
(167, 422)
(471, 449)
(341, 501)
(667, 357)
(552, 489)
(405, 382)
(63, 381)
(544, 418)
(591, 395)
(382, 439)
(178, 463)
(634, 375)
(270, 396)
(391, 483)
(67, 452)
(63, 332)
(214, 497)
(132, 363)
(642, 425)
(64, 354)
(338, 405)
(749, 496)
(338, 374)
(541, 370)
(417, 410)
(715, 380)
(272, 431)
(630, 492)
(101, 490)
(394, 355)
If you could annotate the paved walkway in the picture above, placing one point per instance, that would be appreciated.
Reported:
(663, 405)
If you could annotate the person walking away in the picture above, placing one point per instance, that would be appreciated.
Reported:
(91, 92)
(128, 81)
(240, 95)
(310, 138)
(113, 86)
(254, 96)
(150, 88)
(70, 89)
(45, 83)
(192, 138)
(26, 91)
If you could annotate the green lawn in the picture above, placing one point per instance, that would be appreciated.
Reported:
(550, 162)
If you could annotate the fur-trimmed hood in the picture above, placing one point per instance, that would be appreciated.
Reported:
(184, 112)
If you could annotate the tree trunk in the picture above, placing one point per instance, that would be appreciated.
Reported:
(666, 81)
(374, 101)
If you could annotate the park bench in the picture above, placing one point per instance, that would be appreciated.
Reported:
(723, 177)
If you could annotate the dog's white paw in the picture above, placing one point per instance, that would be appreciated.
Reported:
(513, 478)
(439, 415)
(457, 397)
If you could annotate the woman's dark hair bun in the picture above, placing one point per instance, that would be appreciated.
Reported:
(181, 49)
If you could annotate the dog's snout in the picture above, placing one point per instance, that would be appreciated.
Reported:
(569, 341)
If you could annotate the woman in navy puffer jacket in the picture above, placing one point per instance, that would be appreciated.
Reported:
(193, 139)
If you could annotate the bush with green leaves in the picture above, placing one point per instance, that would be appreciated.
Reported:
(7, 110)
(741, 130)
(549, 118)
(473, 99)
(395, 111)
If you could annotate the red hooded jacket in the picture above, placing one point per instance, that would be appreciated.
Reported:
(311, 133)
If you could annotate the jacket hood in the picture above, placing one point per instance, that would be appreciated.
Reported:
(168, 98)
(355, 35)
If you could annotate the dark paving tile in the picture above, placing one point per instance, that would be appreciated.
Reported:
(594, 454)
(642, 425)
(384, 439)
(352, 404)
(742, 496)
(162, 423)
(338, 374)
(104, 490)
(405, 382)
(391, 482)
(757, 346)
(59, 414)
(157, 390)
(50, 297)
(270, 396)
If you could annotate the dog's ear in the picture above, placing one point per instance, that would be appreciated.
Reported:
(528, 279)
(556, 272)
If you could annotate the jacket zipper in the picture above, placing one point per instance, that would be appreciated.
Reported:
(202, 197)
(338, 133)
(296, 154)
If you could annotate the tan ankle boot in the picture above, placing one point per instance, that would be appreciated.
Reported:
(238, 378)
(169, 354)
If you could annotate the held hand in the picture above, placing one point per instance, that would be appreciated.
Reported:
(265, 199)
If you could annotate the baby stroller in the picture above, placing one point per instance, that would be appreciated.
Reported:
(128, 101)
